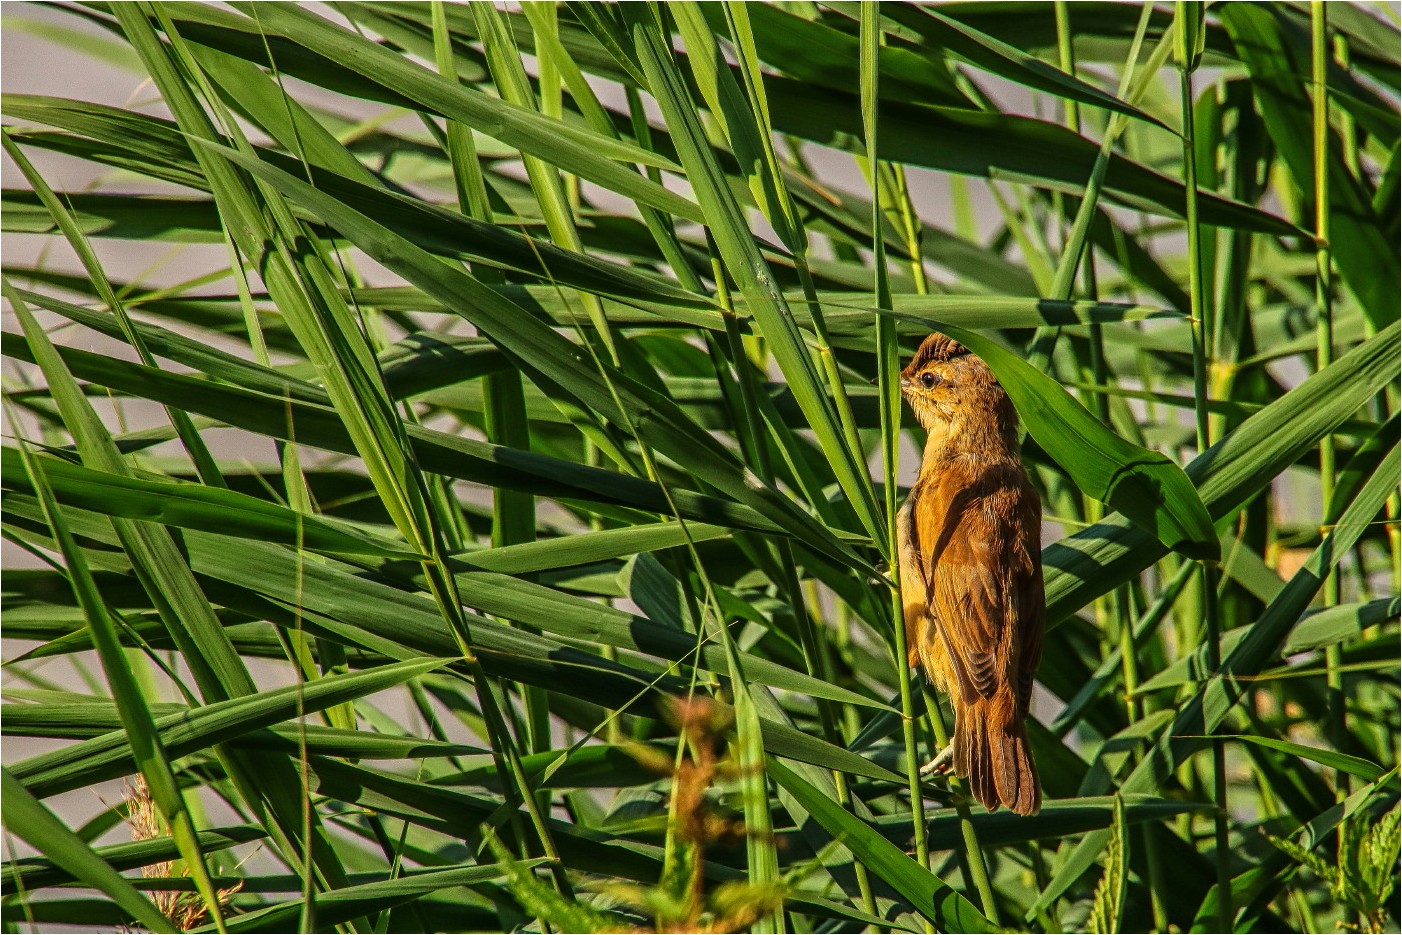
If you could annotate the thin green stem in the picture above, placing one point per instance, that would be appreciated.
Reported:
(973, 863)
(888, 380)
(1324, 355)
(1187, 26)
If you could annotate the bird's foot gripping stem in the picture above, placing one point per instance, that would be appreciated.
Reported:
(942, 764)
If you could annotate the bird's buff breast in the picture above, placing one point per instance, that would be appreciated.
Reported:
(923, 644)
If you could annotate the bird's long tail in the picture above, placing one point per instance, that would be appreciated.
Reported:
(991, 749)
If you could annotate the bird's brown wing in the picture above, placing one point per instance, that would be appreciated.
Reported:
(980, 540)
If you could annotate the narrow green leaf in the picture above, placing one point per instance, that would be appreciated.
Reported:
(195, 506)
(1353, 765)
(956, 140)
(31, 873)
(148, 752)
(583, 548)
(1008, 61)
(1340, 623)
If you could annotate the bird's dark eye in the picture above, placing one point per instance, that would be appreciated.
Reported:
(930, 380)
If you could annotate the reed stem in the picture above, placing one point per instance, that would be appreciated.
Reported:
(1324, 356)
(1186, 38)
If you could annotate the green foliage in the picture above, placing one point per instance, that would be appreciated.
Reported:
(490, 528)
(1365, 874)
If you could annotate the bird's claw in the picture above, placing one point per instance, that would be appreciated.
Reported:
(942, 764)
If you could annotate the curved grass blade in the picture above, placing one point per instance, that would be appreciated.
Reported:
(1007, 61)
(588, 547)
(194, 506)
(1340, 623)
(80, 721)
(150, 141)
(1144, 485)
(1092, 562)
(1353, 765)
(24, 874)
(340, 906)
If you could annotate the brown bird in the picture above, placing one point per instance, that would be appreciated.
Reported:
(971, 571)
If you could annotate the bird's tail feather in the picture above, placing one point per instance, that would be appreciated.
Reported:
(991, 749)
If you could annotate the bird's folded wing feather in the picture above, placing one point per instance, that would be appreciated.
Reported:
(980, 551)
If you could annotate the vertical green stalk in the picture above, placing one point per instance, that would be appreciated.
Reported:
(974, 866)
(1067, 61)
(1099, 376)
(888, 380)
(1324, 356)
(1098, 402)
(1188, 37)
(1196, 295)
(1071, 110)
(1045, 339)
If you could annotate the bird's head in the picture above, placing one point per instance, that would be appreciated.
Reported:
(946, 384)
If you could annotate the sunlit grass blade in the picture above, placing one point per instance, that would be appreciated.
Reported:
(108, 756)
(197, 507)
